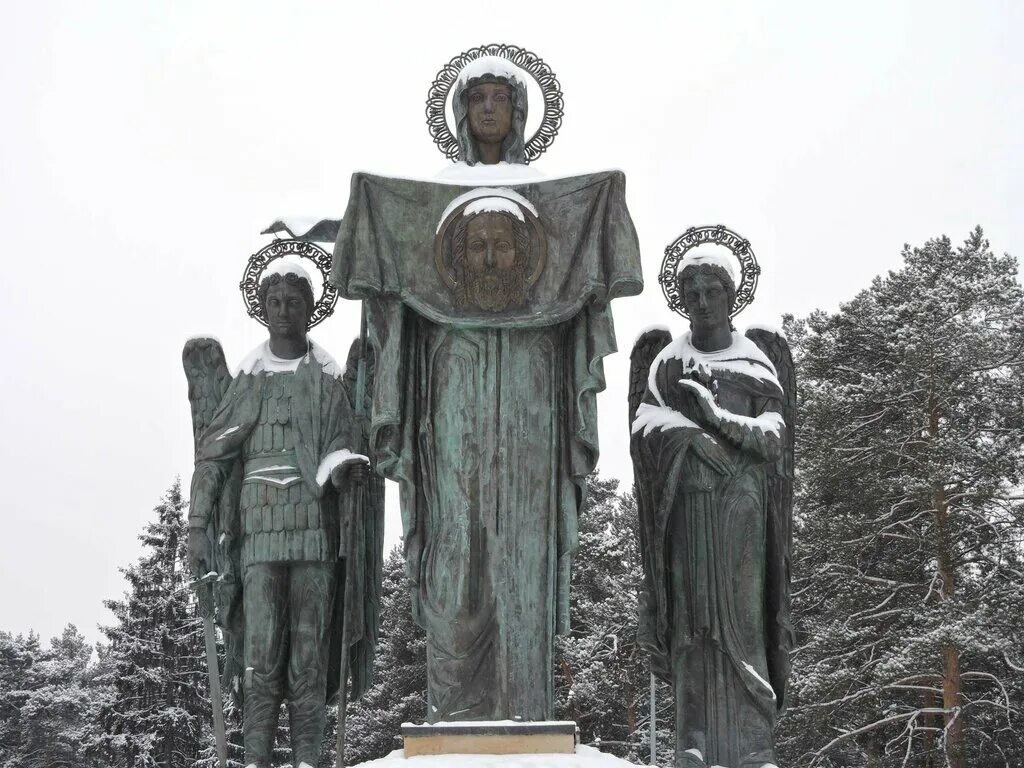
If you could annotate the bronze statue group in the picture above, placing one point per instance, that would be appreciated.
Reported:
(486, 314)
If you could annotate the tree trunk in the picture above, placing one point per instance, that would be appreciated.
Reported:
(930, 721)
(952, 698)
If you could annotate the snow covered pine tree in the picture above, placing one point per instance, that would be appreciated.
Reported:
(909, 579)
(158, 717)
(49, 702)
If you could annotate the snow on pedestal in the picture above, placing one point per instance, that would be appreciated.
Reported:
(585, 757)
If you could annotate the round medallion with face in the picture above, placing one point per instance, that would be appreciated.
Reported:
(494, 269)
(490, 250)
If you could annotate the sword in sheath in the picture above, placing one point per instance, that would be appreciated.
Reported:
(204, 592)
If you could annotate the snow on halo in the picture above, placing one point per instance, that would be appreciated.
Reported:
(494, 205)
(491, 65)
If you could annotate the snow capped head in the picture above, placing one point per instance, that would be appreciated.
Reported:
(282, 268)
(490, 103)
(698, 258)
(494, 67)
(494, 205)
(504, 199)
(290, 273)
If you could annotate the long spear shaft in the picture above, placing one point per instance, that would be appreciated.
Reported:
(348, 547)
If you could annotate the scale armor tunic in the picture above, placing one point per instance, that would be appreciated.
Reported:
(281, 518)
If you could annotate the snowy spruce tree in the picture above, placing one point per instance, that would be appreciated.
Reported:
(49, 702)
(602, 677)
(156, 654)
(399, 692)
(908, 578)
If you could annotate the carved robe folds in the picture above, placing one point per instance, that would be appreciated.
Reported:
(488, 421)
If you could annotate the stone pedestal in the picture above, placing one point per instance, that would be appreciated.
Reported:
(504, 737)
(584, 757)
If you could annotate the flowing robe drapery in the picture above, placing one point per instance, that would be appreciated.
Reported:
(707, 553)
(488, 422)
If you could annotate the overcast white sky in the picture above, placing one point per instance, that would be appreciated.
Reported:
(144, 145)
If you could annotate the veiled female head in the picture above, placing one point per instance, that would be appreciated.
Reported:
(490, 108)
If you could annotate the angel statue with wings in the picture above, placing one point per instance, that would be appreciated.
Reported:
(711, 416)
(285, 516)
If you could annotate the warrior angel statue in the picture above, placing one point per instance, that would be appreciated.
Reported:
(711, 416)
(284, 516)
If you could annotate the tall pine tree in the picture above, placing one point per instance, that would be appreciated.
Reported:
(156, 653)
(49, 702)
(909, 534)
(399, 693)
(601, 674)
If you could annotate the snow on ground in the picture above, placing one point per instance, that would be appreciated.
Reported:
(585, 757)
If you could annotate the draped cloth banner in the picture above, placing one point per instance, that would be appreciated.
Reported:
(386, 247)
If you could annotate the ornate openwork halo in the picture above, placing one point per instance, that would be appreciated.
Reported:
(437, 99)
(457, 207)
(258, 263)
(676, 251)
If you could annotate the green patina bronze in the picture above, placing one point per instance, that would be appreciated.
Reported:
(488, 312)
(711, 416)
(281, 514)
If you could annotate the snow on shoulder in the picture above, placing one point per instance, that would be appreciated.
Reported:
(263, 360)
(585, 757)
(488, 174)
(649, 329)
(767, 327)
(495, 66)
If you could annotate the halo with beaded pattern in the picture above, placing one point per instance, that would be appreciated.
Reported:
(261, 260)
(719, 234)
(534, 66)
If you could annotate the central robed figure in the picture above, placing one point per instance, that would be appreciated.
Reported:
(486, 300)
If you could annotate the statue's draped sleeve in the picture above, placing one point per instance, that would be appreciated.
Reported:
(384, 255)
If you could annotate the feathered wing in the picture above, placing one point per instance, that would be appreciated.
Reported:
(208, 377)
(645, 350)
(780, 516)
